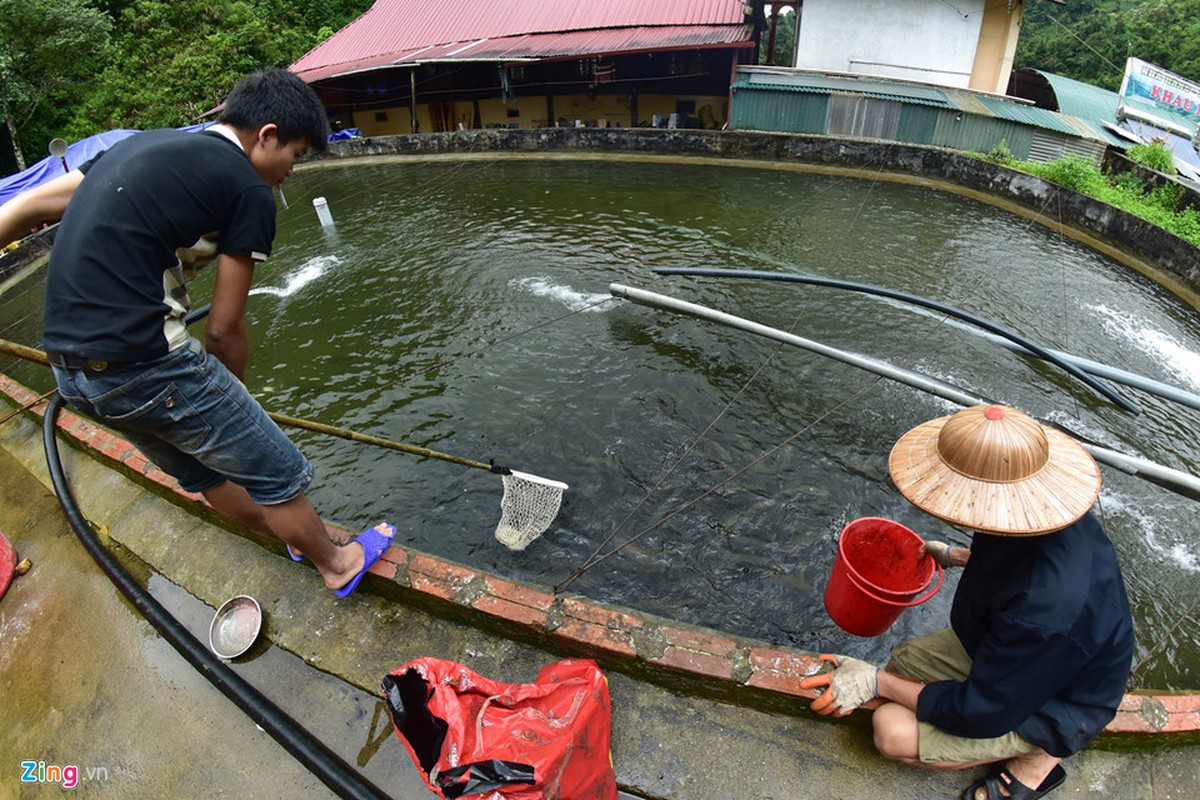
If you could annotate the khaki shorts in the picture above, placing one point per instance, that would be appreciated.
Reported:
(941, 657)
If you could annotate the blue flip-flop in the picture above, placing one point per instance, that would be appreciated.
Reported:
(292, 555)
(375, 543)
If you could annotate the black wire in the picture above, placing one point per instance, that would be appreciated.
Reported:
(325, 764)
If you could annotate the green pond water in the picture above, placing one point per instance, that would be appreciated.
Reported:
(463, 306)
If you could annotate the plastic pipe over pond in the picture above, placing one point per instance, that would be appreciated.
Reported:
(1179, 482)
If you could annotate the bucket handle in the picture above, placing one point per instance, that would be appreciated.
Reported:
(867, 591)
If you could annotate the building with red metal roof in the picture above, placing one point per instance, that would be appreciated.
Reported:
(434, 65)
(921, 71)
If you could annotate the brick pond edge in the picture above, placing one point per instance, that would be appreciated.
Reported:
(674, 654)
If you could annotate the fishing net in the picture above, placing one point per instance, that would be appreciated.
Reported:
(528, 507)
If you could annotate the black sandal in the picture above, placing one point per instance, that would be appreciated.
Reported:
(1016, 789)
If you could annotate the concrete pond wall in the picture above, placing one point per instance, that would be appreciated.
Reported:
(1128, 238)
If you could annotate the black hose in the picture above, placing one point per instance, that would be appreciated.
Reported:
(197, 314)
(326, 765)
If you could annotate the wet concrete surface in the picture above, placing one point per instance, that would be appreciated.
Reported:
(87, 682)
(94, 686)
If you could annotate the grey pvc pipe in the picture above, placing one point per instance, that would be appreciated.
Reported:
(1114, 374)
(1175, 480)
(880, 291)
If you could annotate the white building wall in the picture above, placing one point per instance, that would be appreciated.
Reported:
(931, 41)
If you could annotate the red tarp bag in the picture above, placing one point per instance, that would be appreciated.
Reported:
(471, 735)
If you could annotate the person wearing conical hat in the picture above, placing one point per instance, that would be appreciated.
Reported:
(1040, 643)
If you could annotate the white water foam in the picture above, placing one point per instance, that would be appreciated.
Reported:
(1171, 352)
(296, 280)
(1175, 551)
(573, 299)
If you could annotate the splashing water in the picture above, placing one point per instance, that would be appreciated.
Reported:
(1152, 532)
(573, 299)
(1174, 355)
(299, 278)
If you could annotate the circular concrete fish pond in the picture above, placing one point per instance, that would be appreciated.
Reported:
(463, 306)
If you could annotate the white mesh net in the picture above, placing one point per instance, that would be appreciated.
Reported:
(528, 507)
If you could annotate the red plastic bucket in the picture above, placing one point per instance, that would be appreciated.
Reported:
(877, 574)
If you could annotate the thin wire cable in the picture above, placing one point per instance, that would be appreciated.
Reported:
(592, 560)
(17, 411)
(588, 562)
(1185, 616)
(562, 586)
(1103, 57)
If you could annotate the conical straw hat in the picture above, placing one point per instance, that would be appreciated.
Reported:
(995, 469)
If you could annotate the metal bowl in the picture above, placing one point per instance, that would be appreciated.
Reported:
(235, 626)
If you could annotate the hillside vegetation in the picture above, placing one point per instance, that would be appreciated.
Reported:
(1089, 40)
(72, 68)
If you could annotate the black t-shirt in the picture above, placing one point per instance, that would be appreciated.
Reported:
(150, 212)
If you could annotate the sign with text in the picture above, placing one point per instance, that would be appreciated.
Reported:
(1162, 98)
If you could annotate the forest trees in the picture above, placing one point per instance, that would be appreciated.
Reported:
(46, 47)
(72, 68)
(1089, 40)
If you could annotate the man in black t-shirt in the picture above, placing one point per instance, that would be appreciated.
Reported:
(138, 222)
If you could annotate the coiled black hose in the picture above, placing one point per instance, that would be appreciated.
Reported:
(326, 765)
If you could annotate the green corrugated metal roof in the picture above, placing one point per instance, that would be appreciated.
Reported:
(1082, 100)
(1102, 133)
(1029, 115)
(805, 82)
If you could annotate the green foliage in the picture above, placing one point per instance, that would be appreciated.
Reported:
(1072, 172)
(1000, 154)
(1166, 196)
(1154, 155)
(785, 39)
(47, 47)
(173, 61)
(1089, 41)
(146, 63)
(1159, 206)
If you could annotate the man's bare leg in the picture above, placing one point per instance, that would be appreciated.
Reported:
(897, 738)
(297, 524)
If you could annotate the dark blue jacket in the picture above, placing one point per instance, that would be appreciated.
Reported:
(1046, 622)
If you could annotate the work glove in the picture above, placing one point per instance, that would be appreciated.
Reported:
(851, 684)
(943, 553)
(940, 552)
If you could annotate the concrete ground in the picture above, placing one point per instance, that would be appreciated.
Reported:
(665, 744)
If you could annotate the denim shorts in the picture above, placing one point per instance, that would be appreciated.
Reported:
(195, 420)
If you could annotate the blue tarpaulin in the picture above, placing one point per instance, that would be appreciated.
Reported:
(50, 167)
(1187, 159)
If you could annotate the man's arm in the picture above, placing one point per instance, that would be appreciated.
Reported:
(225, 333)
(33, 207)
(904, 691)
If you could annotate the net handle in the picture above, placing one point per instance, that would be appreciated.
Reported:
(39, 357)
